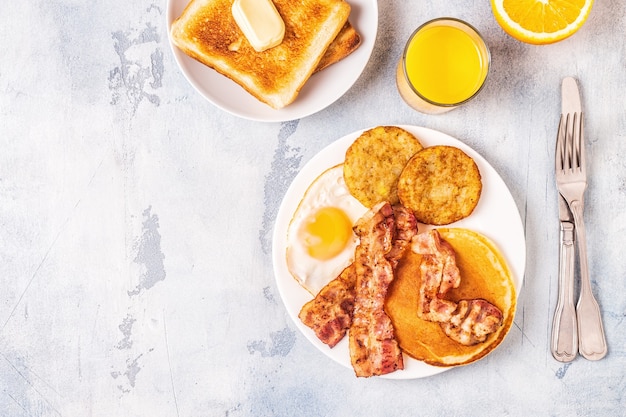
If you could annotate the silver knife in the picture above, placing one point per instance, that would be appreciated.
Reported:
(564, 344)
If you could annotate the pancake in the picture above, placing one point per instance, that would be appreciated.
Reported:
(484, 274)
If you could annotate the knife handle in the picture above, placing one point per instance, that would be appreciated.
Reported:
(564, 343)
(591, 340)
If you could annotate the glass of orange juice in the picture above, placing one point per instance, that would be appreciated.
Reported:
(445, 64)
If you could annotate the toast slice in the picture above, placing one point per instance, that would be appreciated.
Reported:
(346, 42)
(207, 31)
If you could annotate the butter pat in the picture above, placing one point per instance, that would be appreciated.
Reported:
(260, 22)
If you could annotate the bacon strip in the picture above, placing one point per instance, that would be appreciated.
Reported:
(470, 321)
(373, 347)
(329, 314)
(439, 275)
(473, 321)
(406, 228)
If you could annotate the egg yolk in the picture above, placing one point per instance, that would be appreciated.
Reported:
(327, 232)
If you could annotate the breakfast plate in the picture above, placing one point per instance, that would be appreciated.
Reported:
(496, 216)
(320, 91)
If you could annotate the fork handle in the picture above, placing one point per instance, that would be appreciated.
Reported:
(564, 344)
(591, 340)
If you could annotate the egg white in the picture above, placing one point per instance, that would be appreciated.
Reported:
(328, 190)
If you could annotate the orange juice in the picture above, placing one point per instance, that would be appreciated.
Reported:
(444, 64)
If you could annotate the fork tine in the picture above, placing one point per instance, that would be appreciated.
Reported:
(579, 141)
(570, 143)
(560, 144)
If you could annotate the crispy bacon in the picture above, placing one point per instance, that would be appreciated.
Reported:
(329, 314)
(406, 228)
(373, 347)
(439, 275)
(473, 321)
(467, 322)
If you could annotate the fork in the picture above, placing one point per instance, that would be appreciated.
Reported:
(571, 181)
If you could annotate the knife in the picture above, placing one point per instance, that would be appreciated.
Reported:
(564, 343)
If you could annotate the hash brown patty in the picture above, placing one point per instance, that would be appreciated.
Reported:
(441, 184)
(374, 162)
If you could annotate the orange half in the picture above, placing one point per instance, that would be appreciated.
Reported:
(541, 21)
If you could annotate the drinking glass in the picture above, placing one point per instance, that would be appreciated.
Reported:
(444, 65)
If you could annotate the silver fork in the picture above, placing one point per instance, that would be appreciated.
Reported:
(571, 181)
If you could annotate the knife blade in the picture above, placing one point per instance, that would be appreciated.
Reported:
(564, 340)
(570, 97)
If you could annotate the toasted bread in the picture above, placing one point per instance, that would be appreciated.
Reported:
(207, 31)
(346, 42)
(484, 275)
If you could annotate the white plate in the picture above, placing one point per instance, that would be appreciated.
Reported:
(496, 216)
(320, 91)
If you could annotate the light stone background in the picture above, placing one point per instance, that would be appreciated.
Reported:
(136, 221)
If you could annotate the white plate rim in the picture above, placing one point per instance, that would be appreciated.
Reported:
(504, 227)
(319, 92)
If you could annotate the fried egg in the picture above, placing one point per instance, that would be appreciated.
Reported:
(320, 239)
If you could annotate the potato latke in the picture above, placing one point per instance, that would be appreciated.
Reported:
(441, 184)
(374, 162)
